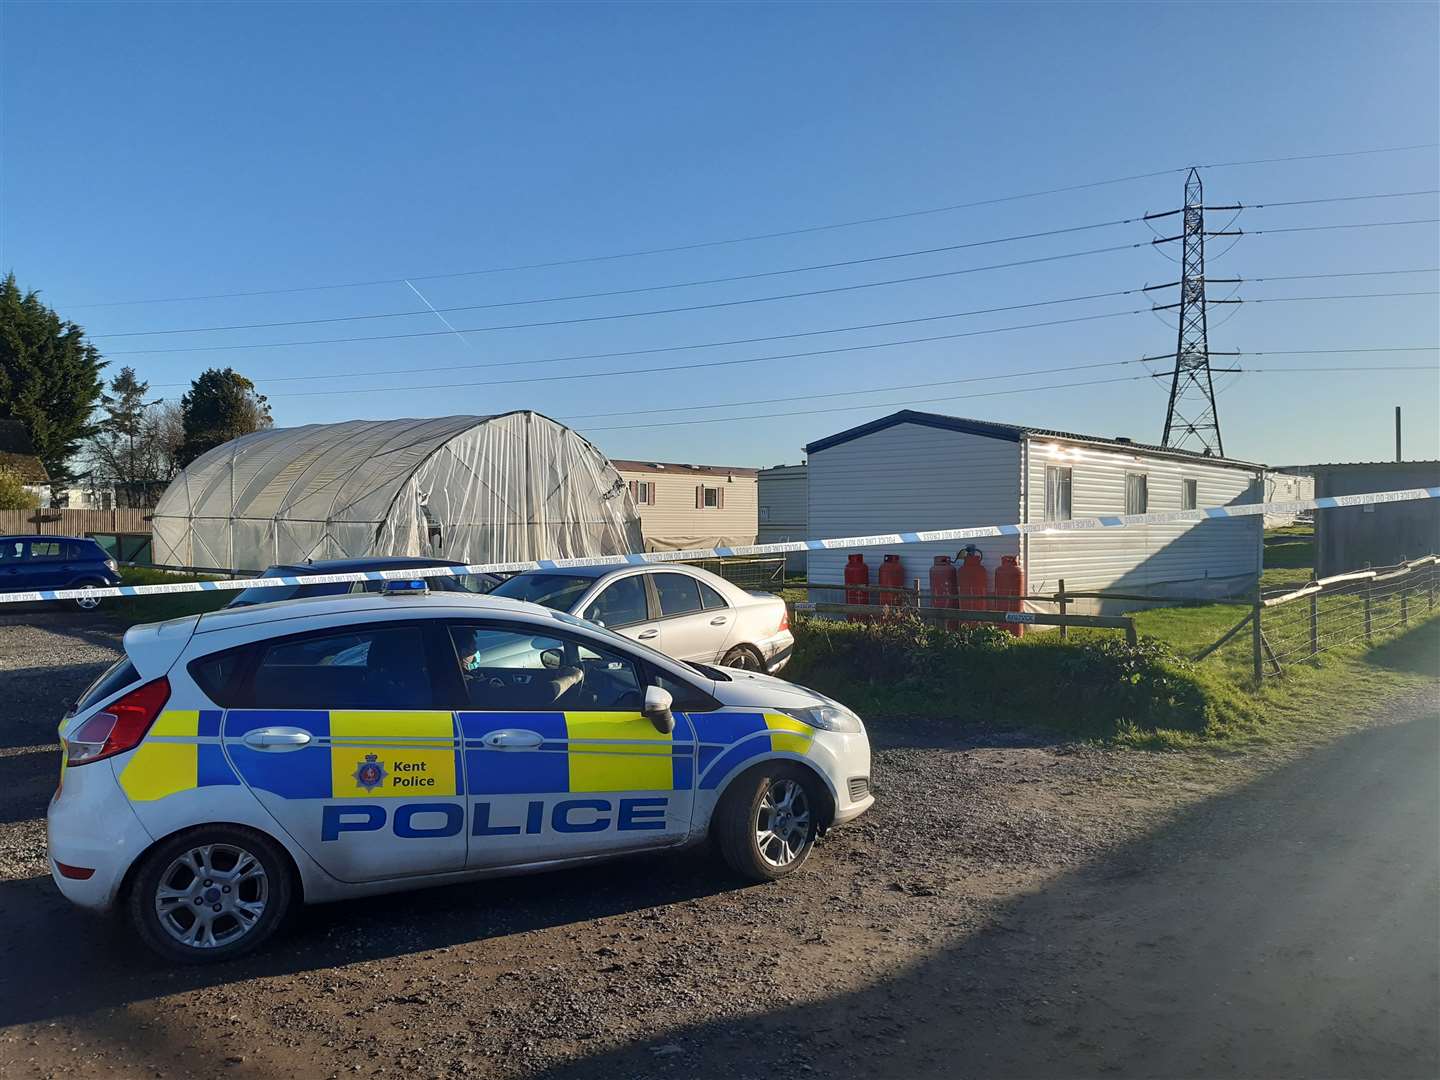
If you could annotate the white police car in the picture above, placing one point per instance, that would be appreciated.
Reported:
(236, 763)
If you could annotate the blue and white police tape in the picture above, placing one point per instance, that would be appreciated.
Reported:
(1102, 521)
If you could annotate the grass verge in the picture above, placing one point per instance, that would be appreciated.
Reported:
(130, 610)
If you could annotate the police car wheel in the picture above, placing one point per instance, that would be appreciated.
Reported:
(210, 894)
(766, 824)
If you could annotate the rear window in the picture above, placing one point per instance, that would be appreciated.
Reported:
(217, 675)
(382, 667)
(116, 677)
(558, 591)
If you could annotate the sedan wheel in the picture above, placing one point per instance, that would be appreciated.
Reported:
(87, 603)
(742, 659)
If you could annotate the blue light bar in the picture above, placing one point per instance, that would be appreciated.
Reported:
(405, 587)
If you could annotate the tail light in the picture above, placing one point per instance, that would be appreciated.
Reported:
(119, 726)
(784, 620)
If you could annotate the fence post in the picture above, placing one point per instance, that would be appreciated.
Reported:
(1314, 623)
(1369, 588)
(1255, 639)
(1062, 604)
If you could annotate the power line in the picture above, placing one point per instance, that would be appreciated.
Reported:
(924, 401)
(679, 367)
(730, 279)
(572, 376)
(563, 322)
(691, 347)
(701, 245)
(1343, 198)
(853, 408)
(664, 311)
(867, 390)
(330, 377)
(1346, 225)
(674, 285)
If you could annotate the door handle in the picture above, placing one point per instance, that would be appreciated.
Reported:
(513, 739)
(646, 635)
(719, 620)
(277, 738)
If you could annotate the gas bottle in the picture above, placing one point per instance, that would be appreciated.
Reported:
(892, 578)
(857, 573)
(974, 580)
(1010, 584)
(943, 584)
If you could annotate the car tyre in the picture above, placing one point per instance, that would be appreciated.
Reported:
(744, 658)
(86, 603)
(210, 894)
(767, 821)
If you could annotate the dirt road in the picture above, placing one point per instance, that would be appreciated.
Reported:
(1008, 909)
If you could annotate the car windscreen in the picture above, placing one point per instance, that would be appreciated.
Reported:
(558, 591)
(288, 592)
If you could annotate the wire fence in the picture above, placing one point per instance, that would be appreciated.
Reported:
(1332, 613)
(763, 574)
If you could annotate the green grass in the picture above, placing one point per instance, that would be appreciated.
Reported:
(1151, 700)
(157, 608)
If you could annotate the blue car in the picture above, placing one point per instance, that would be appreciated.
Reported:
(28, 563)
(472, 583)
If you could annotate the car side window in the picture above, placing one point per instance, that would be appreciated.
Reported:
(380, 667)
(45, 549)
(12, 550)
(711, 598)
(622, 603)
(517, 669)
(679, 594)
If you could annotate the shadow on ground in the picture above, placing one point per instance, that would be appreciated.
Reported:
(101, 966)
(1288, 929)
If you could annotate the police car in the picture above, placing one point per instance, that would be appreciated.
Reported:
(235, 764)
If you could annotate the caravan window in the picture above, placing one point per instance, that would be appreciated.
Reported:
(1057, 493)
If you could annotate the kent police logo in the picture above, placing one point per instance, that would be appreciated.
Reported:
(369, 774)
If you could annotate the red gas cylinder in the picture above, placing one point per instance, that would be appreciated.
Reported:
(943, 584)
(974, 580)
(1010, 583)
(857, 573)
(892, 577)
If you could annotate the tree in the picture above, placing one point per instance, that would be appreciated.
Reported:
(219, 406)
(124, 450)
(13, 495)
(49, 377)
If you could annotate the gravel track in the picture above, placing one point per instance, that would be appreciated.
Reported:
(909, 945)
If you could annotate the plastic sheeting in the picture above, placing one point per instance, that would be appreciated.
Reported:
(475, 488)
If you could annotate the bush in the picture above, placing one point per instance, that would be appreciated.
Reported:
(13, 494)
(981, 674)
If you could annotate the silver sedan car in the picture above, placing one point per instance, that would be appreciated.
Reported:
(683, 611)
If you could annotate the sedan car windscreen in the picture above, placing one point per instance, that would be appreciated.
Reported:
(558, 591)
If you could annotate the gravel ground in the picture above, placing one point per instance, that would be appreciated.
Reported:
(651, 967)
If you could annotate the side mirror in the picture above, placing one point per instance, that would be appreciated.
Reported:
(657, 709)
(552, 658)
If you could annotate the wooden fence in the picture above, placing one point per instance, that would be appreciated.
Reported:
(915, 600)
(58, 522)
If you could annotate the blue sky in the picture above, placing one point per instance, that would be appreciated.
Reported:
(174, 150)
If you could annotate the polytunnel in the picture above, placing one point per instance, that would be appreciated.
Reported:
(510, 487)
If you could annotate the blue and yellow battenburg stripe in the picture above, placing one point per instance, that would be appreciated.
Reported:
(180, 752)
(433, 753)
